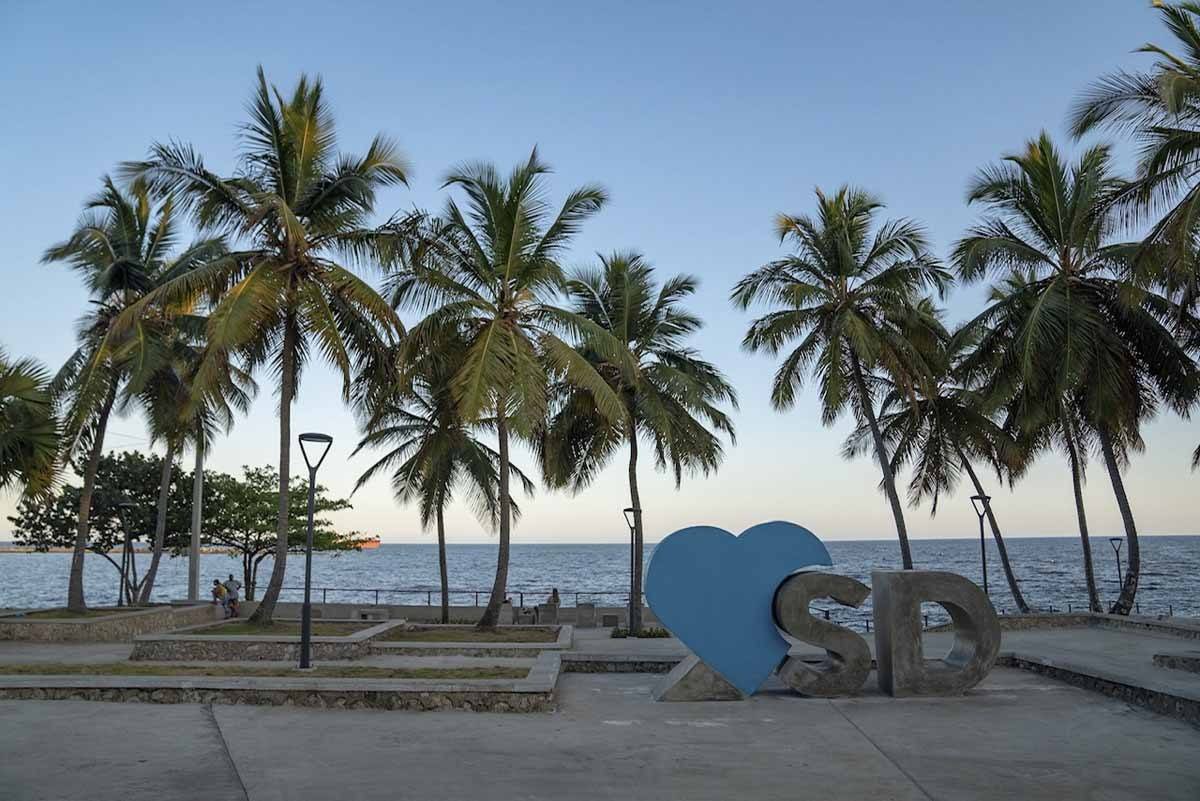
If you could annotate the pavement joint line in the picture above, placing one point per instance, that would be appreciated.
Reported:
(882, 753)
(237, 774)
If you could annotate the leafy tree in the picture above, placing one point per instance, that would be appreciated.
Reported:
(125, 477)
(941, 432)
(29, 427)
(849, 298)
(672, 397)
(1078, 341)
(122, 247)
(296, 211)
(241, 515)
(432, 453)
(489, 276)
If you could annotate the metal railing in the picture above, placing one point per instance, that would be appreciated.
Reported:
(432, 596)
(860, 619)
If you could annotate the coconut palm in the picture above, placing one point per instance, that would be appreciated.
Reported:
(490, 276)
(433, 454)
(941, 433)
(672, 397)
(123, 248)
(178, 416)
(296, 211)
(28, 427)
(844, 294)
(1161, 108)
(1080, 332)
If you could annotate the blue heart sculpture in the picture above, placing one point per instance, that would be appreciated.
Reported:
(714, 591)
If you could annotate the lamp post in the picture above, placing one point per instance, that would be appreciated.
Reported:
(1116, 543)
(306, 611)
(981, 504)
(631, 514)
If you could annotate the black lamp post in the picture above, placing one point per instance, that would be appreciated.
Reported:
(631, 514)
(1116, 543)
(981, 504)
(306, 611)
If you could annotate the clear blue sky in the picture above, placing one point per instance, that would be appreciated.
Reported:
(701, 123)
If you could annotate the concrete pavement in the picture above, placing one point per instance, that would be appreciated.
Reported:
(1016, 736)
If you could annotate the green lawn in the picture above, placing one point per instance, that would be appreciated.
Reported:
(347, 672)
(283, 628)
(438, 634)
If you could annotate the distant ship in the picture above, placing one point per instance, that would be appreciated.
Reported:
(369, 544)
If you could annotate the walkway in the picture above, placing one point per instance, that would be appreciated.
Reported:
(1016, 736)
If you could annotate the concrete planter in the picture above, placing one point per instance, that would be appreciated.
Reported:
(120, 626)
(186, 646)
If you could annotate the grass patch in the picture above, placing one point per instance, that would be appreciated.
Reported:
(347, 672)
(67, 614)
(502, 635)
(647, 633)
(283, 628)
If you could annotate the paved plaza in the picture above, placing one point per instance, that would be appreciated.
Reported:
(1016, 736)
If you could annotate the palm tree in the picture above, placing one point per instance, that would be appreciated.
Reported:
(294, 207)
(489, 275)
(940, 434)
(179, 416)
(846, 293)
(671, 396)
(1161, 108)
(29, 427)
(1084, 343)
(122, 246)
(432, 453)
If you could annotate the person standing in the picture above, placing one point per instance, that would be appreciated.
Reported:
(233, 589)
(219, 596)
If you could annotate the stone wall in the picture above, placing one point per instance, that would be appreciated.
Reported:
(233, 649)
(476, 701)
(117, 627)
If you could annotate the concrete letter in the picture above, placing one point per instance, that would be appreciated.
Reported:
(898, 653)
(848, 659)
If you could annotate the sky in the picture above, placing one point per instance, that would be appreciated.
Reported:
(702, 122)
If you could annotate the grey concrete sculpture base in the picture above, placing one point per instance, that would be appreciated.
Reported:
(692, 680)
(902, 667)
(847, 657)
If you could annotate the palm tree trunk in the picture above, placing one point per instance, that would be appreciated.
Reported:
(1013, 587)
(635, 579)
(197, 507)
(287, 390)
(885, 463)
(160, 523)
(1077, 483)
(441, 525)
(75, 599)
(492, 613)
(1124, 604)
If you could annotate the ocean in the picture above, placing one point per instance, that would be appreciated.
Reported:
(1048, 568)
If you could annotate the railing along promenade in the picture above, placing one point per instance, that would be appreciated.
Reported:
(859, 619)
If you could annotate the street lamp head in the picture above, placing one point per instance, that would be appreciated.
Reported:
(981, 503)
(631, 515)
(316, 440)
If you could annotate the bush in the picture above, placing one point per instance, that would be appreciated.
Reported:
(647, 633)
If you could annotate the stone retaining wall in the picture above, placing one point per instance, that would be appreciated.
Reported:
(478, 701)
(117, 627)
(1164, 703)
(191, 646)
